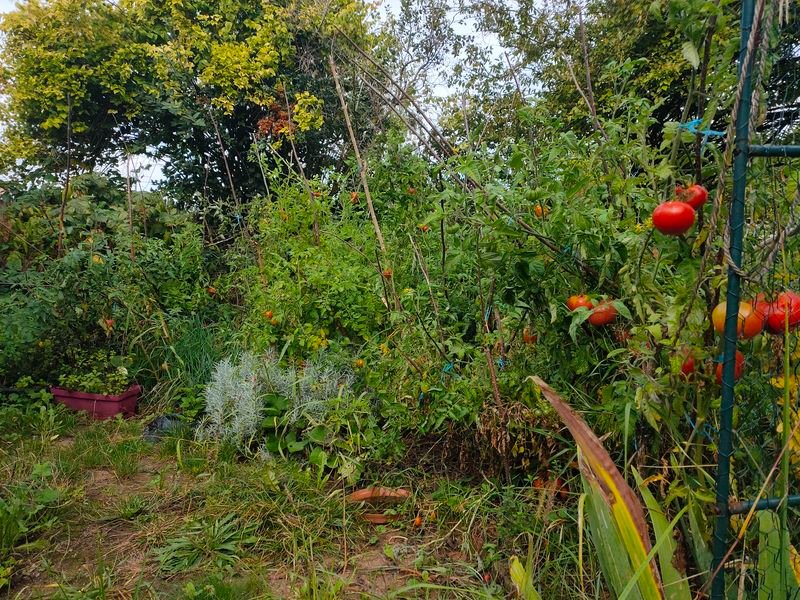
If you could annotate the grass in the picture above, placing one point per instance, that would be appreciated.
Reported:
(183, 519)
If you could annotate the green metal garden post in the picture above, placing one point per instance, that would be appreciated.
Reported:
(725, 447)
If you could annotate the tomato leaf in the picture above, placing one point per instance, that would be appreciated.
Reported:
(579, 315)
(622, 309)
(690, 54)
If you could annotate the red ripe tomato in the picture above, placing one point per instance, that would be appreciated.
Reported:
(529, 337)
(574, 302)
(787, 303)
(737, 370)
(673, 218)
(687, 368)
(762, 306)
(604, 314)
(695, 195)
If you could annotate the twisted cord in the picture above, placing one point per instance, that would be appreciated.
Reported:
(726, 164)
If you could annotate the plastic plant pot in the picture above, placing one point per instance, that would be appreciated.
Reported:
(100, 406)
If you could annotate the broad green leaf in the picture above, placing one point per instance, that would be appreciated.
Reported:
(522, 580)
(776, 578)
(609, 549)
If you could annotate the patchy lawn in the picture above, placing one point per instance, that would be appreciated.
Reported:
(100, 513)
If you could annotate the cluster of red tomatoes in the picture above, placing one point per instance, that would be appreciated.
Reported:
(602, 314)
(677, 216)
(752, 319)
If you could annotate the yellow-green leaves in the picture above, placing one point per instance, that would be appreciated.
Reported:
(307, 111)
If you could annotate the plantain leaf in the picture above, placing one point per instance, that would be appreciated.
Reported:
(625, 508)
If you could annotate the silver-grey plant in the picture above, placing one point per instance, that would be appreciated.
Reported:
(311, 391)
(234, 406)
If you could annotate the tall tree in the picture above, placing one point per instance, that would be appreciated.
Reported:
(187, 81)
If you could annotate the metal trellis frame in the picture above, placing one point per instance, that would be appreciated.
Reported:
(743, 151)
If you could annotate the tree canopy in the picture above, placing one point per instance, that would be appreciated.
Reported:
(186, 81)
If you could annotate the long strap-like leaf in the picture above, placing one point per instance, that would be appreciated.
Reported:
(625, 506)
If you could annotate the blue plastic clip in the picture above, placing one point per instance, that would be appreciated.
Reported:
(691, 127)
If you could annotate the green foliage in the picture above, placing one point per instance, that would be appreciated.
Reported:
(28, 508)
(354, 353)
(219, 542)
(185, 81)
(98, 373)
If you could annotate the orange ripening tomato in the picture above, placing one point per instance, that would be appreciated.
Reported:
(412, 191)
(387, 273)
(750, 322)
(268, 314)
(738, 369)
(753, 321)
(541, 211)
(353, 197)
(574, 302)
(418, 521)
(604, 314)
(529, 337)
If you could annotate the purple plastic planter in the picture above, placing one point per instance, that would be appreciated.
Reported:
(99, 406)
